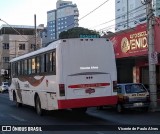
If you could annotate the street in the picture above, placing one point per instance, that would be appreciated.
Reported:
(12, 115)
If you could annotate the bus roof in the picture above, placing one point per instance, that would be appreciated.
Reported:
(51, 46)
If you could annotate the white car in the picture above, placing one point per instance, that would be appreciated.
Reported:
(132, 95)
(4, 87)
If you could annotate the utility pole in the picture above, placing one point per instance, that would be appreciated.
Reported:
(127, 14)
(35, 32)
(152, 56)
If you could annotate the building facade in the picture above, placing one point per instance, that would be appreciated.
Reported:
(130, 13)
(64, 17)
(15, 41)
(131, 50)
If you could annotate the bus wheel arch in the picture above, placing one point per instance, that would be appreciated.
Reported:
(37, 102)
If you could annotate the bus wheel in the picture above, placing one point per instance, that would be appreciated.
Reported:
(119, 108)
(38, 106)
(15, 100)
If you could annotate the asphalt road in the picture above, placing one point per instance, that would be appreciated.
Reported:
(93, 122)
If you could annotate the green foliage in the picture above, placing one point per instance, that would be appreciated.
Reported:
(76, 32)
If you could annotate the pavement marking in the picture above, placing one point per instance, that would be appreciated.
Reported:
(17, 118)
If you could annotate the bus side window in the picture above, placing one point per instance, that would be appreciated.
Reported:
(51, 61)
(33, 66)
(38, 64)
(54, 62)
(25, 67)
(29, 66)
(22, 67)
(19, 68)
(13, 69)
(42, 63)
(47, 66)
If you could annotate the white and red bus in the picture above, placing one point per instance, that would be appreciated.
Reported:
(67, 74)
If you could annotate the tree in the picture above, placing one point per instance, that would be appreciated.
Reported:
(76, 32)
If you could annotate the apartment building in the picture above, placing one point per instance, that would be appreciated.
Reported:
(64, 17)
(130, 13)
(16, 40)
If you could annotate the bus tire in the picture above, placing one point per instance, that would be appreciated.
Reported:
(38, 106)
(15, 100)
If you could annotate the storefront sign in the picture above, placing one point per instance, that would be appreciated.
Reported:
(131, 43)
(135, 42)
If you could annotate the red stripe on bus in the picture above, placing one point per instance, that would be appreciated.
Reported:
(87, 102)
(89, 85)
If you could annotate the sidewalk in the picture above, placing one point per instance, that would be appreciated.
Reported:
(158, 107)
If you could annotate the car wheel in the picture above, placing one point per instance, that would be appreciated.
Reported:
(119, 108)
(38, 106)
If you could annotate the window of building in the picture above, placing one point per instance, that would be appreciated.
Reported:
(5, 45)
(118, 1)
(118, 9)
(5, 59)
(21, 46)
(123, 17)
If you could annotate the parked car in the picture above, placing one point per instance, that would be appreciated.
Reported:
(132, 95)
(4, 87)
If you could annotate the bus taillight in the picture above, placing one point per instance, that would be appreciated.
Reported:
(61, 89)
(114, 86)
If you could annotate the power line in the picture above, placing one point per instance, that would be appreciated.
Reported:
(111, 26)
(94, 10)
(14, 29)
(121, 15)
(122, 22)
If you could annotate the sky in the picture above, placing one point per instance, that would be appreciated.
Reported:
(21, 12)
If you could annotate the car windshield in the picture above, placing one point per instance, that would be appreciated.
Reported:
(135, 88)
